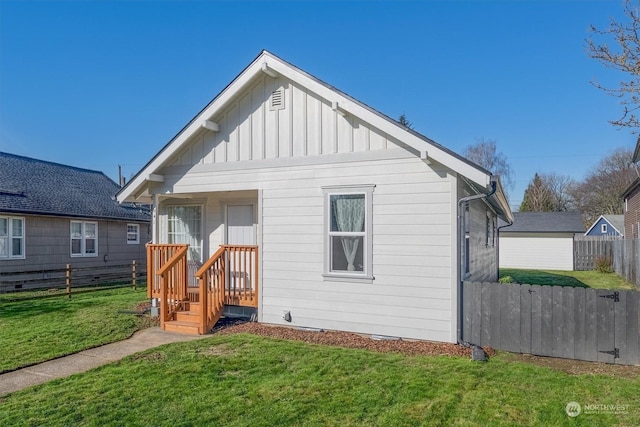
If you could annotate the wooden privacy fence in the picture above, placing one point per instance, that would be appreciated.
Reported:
(624, 255)
(573, 323)
(588, 249)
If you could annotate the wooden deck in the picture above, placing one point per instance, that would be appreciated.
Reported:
(192, 297)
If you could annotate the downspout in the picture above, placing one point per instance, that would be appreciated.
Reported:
(461, 248)
(498, 245)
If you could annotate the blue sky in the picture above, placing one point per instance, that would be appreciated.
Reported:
(97, 84)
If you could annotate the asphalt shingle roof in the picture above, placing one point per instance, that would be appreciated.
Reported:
(545, 222)
(32, 186)
(616, 220)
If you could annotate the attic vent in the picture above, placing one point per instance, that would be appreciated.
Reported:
(277, 99)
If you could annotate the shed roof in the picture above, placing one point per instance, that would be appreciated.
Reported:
(545, 222)
(32, 186)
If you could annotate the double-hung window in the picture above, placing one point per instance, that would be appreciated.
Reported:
(133, 234)
(348, 233)
(11, 237)
(84, 239)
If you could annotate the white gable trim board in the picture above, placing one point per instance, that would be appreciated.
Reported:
(284, 160)
(333, 100)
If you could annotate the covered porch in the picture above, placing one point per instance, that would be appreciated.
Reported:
(192, 296)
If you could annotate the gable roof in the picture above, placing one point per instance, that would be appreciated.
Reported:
(545, 222)
(272, 65)
(31, 186)
(616, 221)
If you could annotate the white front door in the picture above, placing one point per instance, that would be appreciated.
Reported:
(240, 225)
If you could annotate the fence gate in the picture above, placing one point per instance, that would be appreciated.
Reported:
(573, 323)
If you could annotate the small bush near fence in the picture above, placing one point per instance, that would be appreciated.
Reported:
(603, 265)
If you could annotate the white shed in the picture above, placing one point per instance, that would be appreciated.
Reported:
(350, 216)
(540, 240)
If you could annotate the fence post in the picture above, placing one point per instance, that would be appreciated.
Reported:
(133, 274)
(68, 281)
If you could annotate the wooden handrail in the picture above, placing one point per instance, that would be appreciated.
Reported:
(157, 256)
(210, 262)
(173, 279)
(173, 260)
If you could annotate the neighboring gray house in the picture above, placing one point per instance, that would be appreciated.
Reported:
(607, 225)
(353, 218)
(52, 215)
(540, 240)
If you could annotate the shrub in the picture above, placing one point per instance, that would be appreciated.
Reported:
(506, 279)
(603, 265)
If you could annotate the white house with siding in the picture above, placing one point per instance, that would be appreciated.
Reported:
(355, 217)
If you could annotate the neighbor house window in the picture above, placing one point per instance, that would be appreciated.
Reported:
(133, 234)
(603, 228)
(348, 229)
(11, 237)
(84, 238)
(185, 226)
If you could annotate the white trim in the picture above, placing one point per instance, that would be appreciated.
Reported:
(83, 240)
(137, 233)
(10, 238)
(366, 276)
(346, 105)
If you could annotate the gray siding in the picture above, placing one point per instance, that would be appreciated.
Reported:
(47, 245)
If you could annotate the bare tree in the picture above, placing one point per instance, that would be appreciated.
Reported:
(548, 192)
(599, 193)
(484, 153)
(623, 55)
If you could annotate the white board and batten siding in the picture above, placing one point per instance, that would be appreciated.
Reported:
(537, 251)
(287, 156)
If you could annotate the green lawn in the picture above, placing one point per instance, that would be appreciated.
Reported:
(36, 330)
(244, 380)
(585, 279)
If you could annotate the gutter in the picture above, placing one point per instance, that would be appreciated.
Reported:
(461, 237)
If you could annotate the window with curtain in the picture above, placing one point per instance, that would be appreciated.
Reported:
(84, 238)
(11, 237)
(185, 226)
(348, 234)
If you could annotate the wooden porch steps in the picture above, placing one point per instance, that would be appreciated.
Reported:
(186, 320)
(181, 326)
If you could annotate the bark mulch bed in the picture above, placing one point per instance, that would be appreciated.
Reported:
(344, 339)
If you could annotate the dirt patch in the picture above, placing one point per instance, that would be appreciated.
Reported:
(217, 350)
(577, 367)
(150, 357)
(346, 339)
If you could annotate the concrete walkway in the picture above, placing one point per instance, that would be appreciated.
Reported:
(89, 359)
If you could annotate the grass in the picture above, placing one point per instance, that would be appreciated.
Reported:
(241, 380)
(41, 329)
(584, 279)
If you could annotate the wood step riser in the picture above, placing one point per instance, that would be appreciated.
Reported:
(187, 316)
(181, 328)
